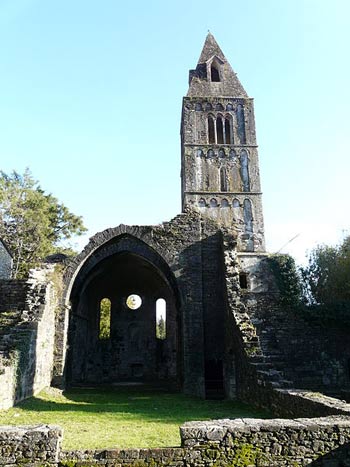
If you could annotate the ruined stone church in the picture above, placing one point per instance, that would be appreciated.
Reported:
(190, 304)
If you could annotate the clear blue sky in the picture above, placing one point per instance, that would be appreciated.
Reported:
(91, 95)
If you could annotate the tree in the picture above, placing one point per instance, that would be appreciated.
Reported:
(160, 329)
(326, 283)
(326, 278)
(33, 224)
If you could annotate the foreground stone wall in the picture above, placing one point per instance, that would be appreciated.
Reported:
(275, 442)
(217, 443)
(31, 446)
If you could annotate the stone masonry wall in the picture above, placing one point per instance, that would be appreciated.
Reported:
(13, 294)
(27, 343)
(176, 249)
(312, 356)
(216, 443)
(31, 446)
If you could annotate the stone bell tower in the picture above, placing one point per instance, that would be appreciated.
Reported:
(220, 166)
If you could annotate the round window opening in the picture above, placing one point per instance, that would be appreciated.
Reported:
(133, 301)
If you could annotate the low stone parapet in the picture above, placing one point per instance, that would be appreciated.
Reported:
(280, 442)
(219, 443)
(30, 445)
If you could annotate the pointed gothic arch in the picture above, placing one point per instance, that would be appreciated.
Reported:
(118, 268)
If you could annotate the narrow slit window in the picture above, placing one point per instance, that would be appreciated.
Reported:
(219, 131)
(105, 319)
(228, 131)
(211, 130)
(161, 319)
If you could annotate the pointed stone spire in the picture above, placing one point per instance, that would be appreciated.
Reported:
(202, 81)
(211, 48)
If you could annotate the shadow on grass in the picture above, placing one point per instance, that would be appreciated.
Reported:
(145, 404)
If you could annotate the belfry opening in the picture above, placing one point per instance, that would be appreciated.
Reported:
(124, 320)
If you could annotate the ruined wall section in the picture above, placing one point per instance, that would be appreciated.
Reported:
(313, 356)
(176, 248)
(277, 347)
(27, 338)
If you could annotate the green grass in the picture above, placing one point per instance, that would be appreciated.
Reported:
(95, 418)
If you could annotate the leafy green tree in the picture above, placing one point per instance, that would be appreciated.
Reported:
(326, 278)
(326, 283)
(160, 329)
(105, 319)
(34, 224)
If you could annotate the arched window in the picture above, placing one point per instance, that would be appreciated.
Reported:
(219, 130)
(208, 106)
(228, 131)
(229, 107)
(221, 153)
(201, 203)
(105, 319)
(235, 203)
(213, 203)
(223, 179)
(245, 170)
(224, 203)
(211, 130)
(210, 153)
(241, 124)
(248, 216)
(200, 153)
(161, 319)
(215, 75)
(198, 107)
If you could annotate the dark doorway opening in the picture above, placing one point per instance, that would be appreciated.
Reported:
(214, 379)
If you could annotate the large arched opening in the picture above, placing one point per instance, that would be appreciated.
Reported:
(116, 333)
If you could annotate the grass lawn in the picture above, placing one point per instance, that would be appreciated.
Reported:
(122, 417)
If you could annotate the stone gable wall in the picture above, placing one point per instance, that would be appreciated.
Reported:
(184, 249)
